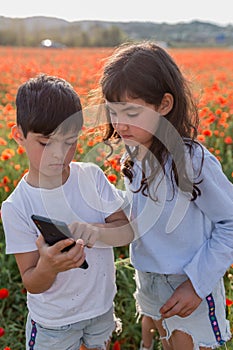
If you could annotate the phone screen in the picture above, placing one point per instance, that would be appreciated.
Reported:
(54, 231)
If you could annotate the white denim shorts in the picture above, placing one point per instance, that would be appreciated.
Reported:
(207, 325)
(93, 333)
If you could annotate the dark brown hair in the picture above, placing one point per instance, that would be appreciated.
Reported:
(147, 71)
(45, 103)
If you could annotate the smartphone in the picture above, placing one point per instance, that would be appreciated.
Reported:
(54, 231)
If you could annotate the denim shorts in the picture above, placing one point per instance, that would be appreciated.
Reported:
(93, 333)
(207, 325)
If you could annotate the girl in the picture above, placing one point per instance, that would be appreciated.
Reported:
(181, 202)
(147, 341)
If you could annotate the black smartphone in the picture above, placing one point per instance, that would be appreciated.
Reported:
(54, 231)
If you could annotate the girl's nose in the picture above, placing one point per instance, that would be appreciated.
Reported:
(122, 126)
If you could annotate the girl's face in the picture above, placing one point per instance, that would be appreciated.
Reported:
(135, 121)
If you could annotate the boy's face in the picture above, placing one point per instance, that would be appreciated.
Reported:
(49, 157)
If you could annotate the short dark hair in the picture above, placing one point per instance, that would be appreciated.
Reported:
(44, 102)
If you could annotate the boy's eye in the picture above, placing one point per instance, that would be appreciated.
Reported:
(71, 143)
(44, 144)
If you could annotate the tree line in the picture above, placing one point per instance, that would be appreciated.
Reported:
(33, 30)
(71, 36)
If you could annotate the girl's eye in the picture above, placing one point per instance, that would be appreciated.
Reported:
(113, 117)
(132, 114)
(112, 114)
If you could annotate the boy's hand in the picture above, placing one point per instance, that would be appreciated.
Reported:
(52, 258)
(182, 303)
(88, 233)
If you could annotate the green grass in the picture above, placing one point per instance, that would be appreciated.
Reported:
(13, 309)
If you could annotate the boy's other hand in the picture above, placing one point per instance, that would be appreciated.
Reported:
(87, 232)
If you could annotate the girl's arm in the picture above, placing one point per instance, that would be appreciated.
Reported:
(39, 268)
(214, 257)
(216, 254)
(116, 231)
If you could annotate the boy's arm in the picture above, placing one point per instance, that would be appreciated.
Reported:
(39, 268)
(116, 231)
(34, 281)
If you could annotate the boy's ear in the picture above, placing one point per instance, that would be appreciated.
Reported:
(166, 104)
(17, 134)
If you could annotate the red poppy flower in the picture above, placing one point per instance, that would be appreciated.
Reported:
(2, 332)
(229, 302)
(228, 140)
(112, 178)
(207, 132)
(4, 293)
(116, 346)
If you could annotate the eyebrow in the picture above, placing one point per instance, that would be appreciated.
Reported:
(127, 108)
(51, 136)
(72, 137)
(42, 136)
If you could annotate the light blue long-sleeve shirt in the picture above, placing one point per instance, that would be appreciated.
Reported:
(175, 235)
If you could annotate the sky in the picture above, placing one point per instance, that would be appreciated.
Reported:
(170, 11)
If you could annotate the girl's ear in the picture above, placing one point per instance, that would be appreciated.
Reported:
(17, 134)
(166, 104)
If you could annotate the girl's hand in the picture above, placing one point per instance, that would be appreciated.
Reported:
(89, 234)
(51, 257)
(182, 303)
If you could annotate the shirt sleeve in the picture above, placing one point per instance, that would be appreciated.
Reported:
(111, 198)
(215, 256)
(19, 235)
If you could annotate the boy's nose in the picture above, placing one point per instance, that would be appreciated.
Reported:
(58, 152)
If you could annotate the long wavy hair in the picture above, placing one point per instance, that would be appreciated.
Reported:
(146, 71)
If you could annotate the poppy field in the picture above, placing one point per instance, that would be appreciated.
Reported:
(211, 74)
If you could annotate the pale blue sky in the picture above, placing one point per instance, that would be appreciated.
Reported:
(170, 11)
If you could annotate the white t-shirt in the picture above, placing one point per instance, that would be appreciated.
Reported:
(86, 196)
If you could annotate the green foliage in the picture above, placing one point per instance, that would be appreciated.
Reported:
(13, 309)
(219, 140)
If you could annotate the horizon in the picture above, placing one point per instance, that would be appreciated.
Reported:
(120, 20)
(169, 12)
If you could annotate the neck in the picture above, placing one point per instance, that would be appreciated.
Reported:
(141, 152)
(42, 181)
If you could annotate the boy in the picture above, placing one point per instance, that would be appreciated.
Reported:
(68, 306)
